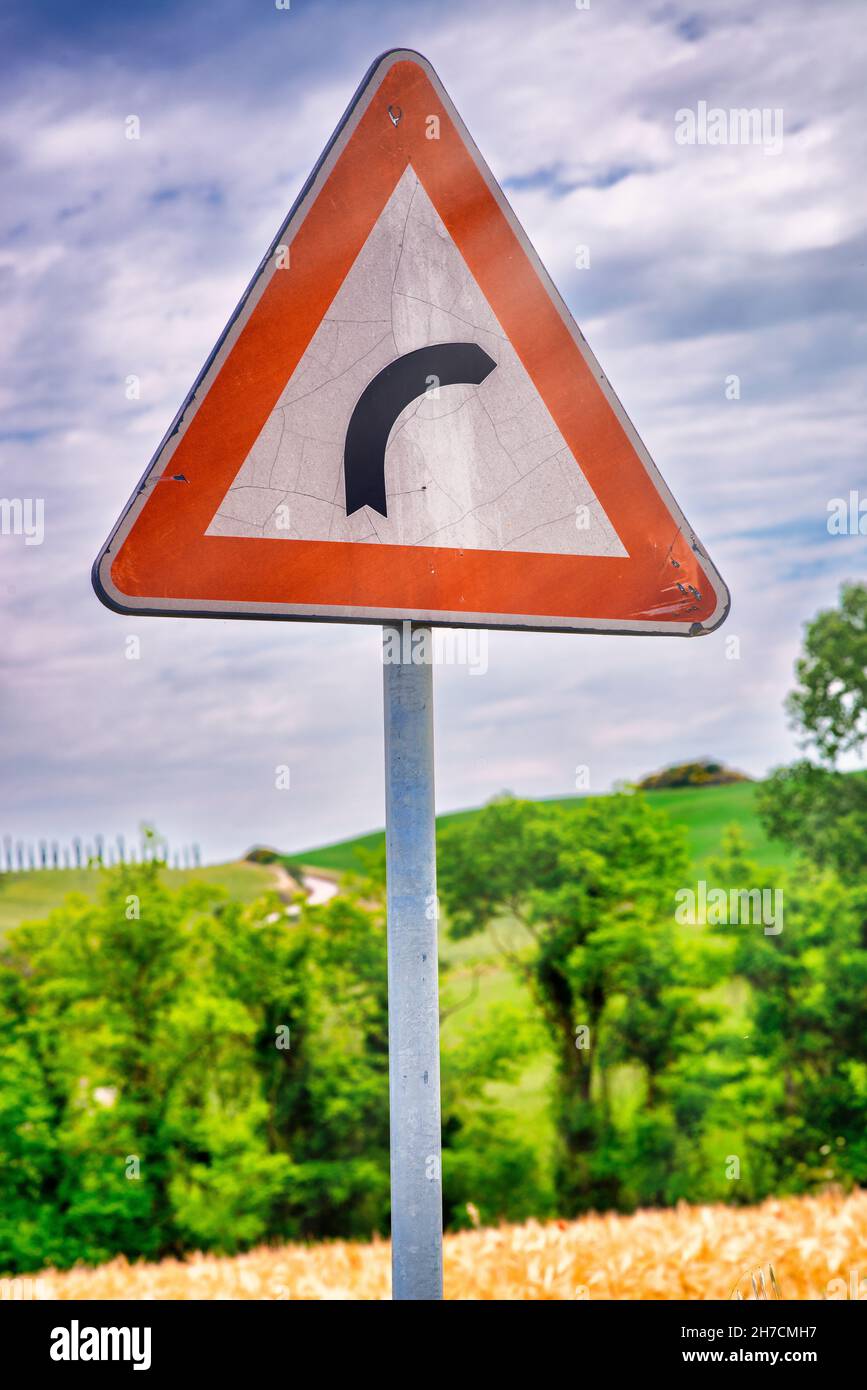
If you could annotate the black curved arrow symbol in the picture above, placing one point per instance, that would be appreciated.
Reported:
(383, 399)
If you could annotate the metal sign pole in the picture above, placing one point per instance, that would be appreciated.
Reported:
(413, 993)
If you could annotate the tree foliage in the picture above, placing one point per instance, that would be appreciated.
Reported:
(707, 772)
(797, 1079)
(582, 909)
(829, 702)
(181, 1072)
(815, 807)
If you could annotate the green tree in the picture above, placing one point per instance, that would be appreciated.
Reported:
(143, 1061)
(814, 806)
(800, 1099)
(829, 703)
(183, 1072)
(487, 1163)
(581, 906)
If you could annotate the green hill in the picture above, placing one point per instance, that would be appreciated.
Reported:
(705, 811)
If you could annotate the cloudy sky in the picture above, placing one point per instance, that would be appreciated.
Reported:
(124, 258)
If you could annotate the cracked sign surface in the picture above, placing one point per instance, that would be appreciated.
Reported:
(481, 466)
(403, 421)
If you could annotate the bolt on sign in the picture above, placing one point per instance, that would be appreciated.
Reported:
(403, 421)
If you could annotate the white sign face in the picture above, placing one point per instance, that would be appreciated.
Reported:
(467, 466)
(402, 420)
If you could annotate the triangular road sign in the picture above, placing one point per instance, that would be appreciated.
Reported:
(402, 420)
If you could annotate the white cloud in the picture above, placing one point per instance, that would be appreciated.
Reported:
(122, 257)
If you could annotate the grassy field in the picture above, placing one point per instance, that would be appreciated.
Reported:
(704, 811)
(691, 1252)
(29, 896)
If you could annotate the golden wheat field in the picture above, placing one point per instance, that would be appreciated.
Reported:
(817, 1245)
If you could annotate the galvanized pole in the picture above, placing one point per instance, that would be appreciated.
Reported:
(413, 995)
